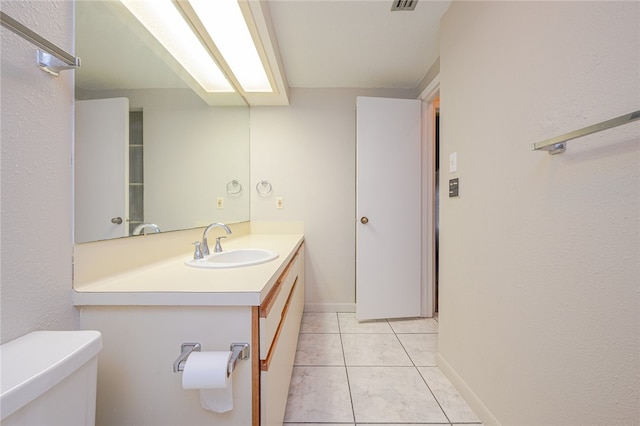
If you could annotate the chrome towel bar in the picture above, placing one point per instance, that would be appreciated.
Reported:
(53, 59)
(557, 145)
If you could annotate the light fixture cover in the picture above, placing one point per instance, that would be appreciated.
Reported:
(163, 20)
(224, 22)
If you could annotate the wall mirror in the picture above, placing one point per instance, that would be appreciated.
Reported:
(151, 146)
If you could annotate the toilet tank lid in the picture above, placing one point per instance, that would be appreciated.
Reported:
(34, 363)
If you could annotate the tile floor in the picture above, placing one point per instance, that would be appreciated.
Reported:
(376, 372)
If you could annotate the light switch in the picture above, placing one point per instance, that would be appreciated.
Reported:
(453, 162)
(279, 203)
(220, 203)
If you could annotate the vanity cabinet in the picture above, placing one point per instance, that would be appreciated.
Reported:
(279, 325)
(142, 339)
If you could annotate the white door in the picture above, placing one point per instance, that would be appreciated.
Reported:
(388, 229)
(101, 169)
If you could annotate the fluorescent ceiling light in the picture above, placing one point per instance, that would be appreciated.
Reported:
(162, 19)
(225, 24)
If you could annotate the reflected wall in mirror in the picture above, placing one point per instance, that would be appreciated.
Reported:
(151, 147)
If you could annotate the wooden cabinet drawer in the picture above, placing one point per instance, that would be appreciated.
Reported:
(276, 369)
(271, 310)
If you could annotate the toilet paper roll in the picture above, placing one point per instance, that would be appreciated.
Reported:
(206, 370)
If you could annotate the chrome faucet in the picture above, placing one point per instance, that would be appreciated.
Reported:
(205, 245)
(140, 229)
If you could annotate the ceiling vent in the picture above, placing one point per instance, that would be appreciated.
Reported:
(403, 5)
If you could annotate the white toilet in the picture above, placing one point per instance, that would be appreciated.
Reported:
(49, 378)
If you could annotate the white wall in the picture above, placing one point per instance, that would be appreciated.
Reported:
(191, 152)
(307, 152)
(37, 134)
(540, 255)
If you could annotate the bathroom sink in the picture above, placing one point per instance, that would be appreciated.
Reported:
(234, 259)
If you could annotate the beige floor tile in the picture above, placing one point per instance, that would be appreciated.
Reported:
(452, 403)
(422, 348)
(392, 395)
(320, 395)
(385, 387)
(414, 325)
(319, 322)
(374, 350)
(349, 324)
(319, 349)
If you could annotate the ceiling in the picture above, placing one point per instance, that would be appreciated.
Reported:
(308, 43)
(356, 43)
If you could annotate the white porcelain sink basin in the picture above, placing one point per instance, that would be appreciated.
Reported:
(234, 259)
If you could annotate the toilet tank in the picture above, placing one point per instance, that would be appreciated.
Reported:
(49, 378)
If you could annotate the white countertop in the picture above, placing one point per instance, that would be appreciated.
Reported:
(171, 282)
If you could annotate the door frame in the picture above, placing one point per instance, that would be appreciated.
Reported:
(428, 96)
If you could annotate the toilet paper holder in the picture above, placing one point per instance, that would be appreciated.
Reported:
(239, 351)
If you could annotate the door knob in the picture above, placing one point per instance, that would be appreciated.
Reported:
(364, 220)
(116, 220)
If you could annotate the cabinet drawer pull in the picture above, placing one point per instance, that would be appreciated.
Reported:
(271, 298)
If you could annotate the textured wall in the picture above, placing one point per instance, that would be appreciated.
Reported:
(37, 135)
(540, 255)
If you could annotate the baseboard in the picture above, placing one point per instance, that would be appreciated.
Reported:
(330, 307)
(481, 410)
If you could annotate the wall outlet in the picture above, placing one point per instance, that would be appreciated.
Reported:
(220, 203)
(279, 203)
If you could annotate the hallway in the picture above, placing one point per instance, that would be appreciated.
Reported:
(381, 372)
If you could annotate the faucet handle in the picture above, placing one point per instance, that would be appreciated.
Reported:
(198, 252)
(218, 247)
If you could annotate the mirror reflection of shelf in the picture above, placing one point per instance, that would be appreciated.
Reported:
(136, 170)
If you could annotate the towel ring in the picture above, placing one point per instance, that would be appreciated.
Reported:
(234, 187)
(264, 187)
